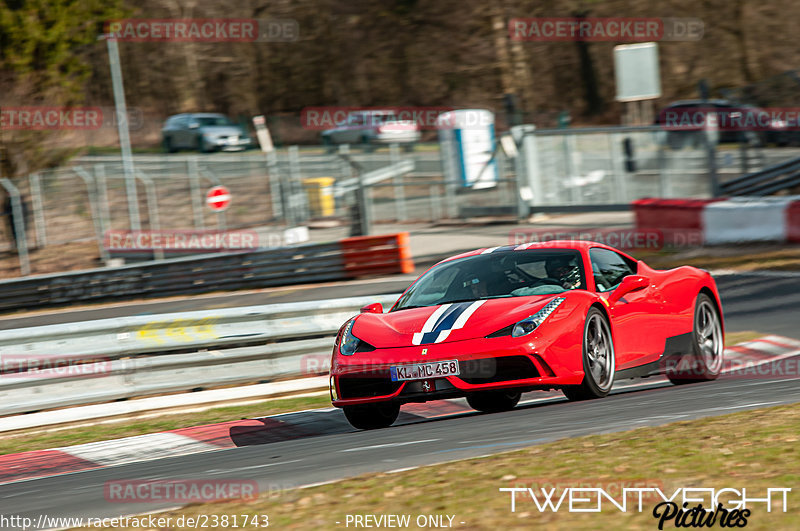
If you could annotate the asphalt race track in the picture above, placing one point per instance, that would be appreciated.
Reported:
(762, 302)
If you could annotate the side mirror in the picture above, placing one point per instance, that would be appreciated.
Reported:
(628, 284)
(194, 125)
(375, 307)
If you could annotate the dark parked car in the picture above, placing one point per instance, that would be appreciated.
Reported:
(204, 132)
(685, 119)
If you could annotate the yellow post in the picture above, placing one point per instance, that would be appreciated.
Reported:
(320, 196)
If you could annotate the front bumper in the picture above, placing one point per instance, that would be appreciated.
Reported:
(228, 143)
(528, 363)
(399, 137)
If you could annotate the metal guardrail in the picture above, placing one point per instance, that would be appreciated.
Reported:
(771, 179)
(111, 359)
(348, 258)
(374, 177)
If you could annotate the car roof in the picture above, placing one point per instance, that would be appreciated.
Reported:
(681, 103)
(374, 111)
(575, 245)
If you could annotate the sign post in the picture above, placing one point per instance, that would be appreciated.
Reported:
(638, 79)
(218, 198)
(122, 129)
(265, 141)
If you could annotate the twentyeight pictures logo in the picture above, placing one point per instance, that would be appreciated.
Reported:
(679, 507)
(616, 29)
(203, 30)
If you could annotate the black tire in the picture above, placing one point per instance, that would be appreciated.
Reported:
(704, 361)
(372, 416)
(327, 143)
(599, 360)
(408, 148)
(368, 147)
(676, 140)
(167, 143)
(493, 401)
(201, 147)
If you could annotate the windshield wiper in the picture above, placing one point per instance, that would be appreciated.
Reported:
(454, 301)
(411, 307)
(475, 299)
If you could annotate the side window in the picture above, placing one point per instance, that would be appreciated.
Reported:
(609, 268)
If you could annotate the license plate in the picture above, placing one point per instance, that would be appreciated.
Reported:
(422, 371)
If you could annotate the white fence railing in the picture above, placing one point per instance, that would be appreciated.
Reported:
(110, 359)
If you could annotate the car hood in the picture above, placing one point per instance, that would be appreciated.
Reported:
(445, 323)
(223, 130)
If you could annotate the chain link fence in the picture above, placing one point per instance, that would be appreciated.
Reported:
(558, 169)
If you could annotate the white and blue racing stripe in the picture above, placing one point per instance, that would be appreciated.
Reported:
(445, 319)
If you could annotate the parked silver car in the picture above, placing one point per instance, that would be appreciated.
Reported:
(372, 127)
(204, 132)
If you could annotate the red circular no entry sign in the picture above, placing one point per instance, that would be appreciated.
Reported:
(218, 198)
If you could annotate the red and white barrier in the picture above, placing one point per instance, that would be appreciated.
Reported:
(376, 255)
(734, 220)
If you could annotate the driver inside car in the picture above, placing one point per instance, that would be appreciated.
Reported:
(563, 271)
(476, 287)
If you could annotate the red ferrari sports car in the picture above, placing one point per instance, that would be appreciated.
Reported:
(493, 323)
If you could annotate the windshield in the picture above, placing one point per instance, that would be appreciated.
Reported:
(494, 275)
(206, 121)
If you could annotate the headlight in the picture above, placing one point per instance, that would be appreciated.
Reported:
(349, 342)
(529, 324)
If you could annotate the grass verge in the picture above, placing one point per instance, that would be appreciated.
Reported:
(38, 439)
(755, 449)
